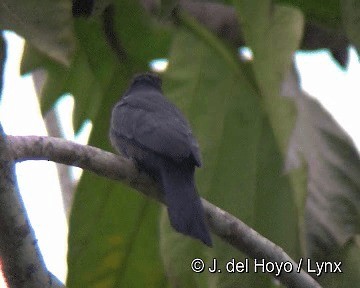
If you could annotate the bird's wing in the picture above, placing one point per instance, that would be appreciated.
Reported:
(166, 133)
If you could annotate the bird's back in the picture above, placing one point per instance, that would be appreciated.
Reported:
(150, 129)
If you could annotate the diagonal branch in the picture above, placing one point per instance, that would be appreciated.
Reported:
(112, 166)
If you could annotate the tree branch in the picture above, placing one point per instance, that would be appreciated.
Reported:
(22, 263)
(112, 166)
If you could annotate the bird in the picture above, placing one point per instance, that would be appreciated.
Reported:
(146, 127)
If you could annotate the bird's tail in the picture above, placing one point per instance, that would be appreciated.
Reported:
(184, 205)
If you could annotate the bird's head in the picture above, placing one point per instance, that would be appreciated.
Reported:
(147, 78)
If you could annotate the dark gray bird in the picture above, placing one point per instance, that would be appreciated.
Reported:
(145, 126)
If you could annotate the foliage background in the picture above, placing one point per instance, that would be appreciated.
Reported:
(280, 164)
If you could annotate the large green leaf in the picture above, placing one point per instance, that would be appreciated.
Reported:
(87, 77)
(46, 24)
(242, 170)
(113, 238)
(273, 33)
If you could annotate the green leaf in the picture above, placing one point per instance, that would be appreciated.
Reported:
(46, 24)
(325, 12)
(53, 88)
(241, 173)
(141, 36)
(351, 20)
(273, 33)
(87, 77)
(113, 238)
(349, 257)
